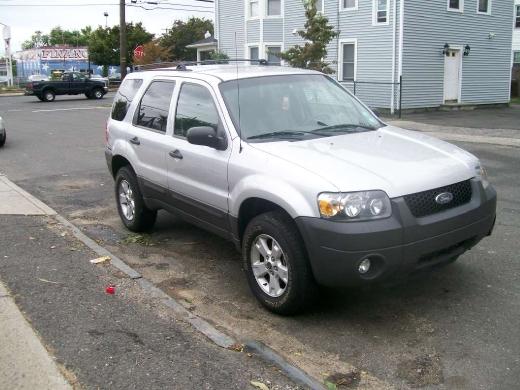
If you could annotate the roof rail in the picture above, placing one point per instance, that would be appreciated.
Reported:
(182, 65)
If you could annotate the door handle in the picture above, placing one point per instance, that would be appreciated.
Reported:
(176, 154)
(135, 141)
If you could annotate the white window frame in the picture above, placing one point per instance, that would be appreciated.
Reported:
(375, 11)
(248, 9)
(460, 9)
(273, 44)
(249, 46)
(343, 42)
(488, 12)
(355, 8)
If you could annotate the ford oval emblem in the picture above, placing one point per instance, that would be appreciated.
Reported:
(444, 198)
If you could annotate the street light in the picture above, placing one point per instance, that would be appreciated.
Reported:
(106, 19)
(9, 62)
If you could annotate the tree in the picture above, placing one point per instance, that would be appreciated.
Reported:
(317, 33)
(182, 34)
(153, 52)
(37, 40)
(103, 43)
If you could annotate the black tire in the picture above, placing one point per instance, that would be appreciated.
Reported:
(300, 290)
(88, 95)
(3, 138)
(97, 93)
(143, 218)
(49, 95)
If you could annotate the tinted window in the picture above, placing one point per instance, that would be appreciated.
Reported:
(124, 97)
(155, 105)
(195, 108)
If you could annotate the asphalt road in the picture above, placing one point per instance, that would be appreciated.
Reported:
(454, 328)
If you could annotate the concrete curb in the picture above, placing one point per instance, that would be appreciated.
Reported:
(216, 336)
(11, 94)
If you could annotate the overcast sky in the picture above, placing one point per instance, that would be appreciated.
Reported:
(26, 16)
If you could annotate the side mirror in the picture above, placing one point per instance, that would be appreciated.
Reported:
(206, 136)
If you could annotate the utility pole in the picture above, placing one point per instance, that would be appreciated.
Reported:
(122, 38)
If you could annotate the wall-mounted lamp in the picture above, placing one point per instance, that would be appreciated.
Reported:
(467, 49)
(492, 35)
(446, 49)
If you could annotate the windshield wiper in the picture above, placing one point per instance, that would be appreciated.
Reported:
(344, 128)
(283, 134)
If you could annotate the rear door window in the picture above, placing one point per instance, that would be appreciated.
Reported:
(155, 105)
(124, 97)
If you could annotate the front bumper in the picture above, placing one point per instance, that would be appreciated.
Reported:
(399, 245)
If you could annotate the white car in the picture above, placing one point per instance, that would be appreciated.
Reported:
(308, 183)
(3, 133)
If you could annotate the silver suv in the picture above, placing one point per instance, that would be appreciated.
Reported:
(308, 183)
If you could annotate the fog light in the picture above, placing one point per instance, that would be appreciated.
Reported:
(364, 266)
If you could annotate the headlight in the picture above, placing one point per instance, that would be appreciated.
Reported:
(480, 173)
(354, 206)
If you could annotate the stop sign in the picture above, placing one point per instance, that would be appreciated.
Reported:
(139, 51)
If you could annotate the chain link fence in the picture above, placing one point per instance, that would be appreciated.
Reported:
(381, 95)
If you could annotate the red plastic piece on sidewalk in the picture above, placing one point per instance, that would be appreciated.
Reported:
(111, 289)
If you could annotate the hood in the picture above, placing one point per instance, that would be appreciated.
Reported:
(391, 159)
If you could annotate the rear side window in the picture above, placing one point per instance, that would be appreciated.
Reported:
(195, 108)
(124, 97)
(155, 105)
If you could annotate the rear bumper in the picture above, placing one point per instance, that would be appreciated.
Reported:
(399, 245)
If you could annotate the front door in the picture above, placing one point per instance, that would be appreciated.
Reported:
(452, 67)
(197, 175)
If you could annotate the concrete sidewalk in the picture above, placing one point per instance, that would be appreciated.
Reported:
(15, 201)
(24, 361)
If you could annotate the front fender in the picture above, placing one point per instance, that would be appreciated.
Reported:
(282, 193)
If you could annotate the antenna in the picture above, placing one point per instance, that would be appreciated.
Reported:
(238, 98)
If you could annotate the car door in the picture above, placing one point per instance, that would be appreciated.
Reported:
(77, 83)
(146, 143)
(62, 86)
(197, 175)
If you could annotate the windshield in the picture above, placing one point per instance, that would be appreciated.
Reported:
(294, 107)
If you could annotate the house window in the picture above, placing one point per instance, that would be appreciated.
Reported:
(319, 5)
(253, 53)
(253, 8)
(484, 7)
(516, 58)
(380, 12)
(349, 61)
(273, 55)
(274, 7)
(349, 4)
(455, 5)
(517, 20)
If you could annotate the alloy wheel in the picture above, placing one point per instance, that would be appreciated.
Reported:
(269, 265)
(126, 200)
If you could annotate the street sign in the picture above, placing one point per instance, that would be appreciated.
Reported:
(139, 51)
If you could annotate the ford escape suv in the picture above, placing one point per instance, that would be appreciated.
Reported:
(308, 183)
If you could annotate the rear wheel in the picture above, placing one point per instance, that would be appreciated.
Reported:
(276, 264)
(49, 95)
(130, 204)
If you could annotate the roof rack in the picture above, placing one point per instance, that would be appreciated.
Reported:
(182, 65)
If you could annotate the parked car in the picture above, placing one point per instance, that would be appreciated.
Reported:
(3, 132)
(307, 182)
(71, 83)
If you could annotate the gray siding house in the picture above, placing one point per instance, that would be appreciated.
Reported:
(447, 51)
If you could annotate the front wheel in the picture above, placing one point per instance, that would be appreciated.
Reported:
(97, 94)
(276, 264)
(130, 204)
